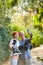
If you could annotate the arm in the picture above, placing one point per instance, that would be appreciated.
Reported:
(10, 44)
(30, 35)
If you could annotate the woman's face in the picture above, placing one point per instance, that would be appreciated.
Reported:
(16, 35)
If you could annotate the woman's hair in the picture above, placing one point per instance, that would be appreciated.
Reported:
(14, 33)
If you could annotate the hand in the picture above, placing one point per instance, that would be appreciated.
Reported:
(29, 32)
(11, 45)
(15, 56)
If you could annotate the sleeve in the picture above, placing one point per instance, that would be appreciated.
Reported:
(10, 43)
(27, 40)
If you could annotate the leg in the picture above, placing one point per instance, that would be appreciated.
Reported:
(21, 61)
(14, 62)
(28, 62)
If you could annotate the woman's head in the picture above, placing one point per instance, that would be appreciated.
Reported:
(15, 34)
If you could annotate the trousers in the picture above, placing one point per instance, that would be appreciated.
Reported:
(25, 62)
(14, 61)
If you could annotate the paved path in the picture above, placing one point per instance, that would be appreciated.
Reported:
(36, 52)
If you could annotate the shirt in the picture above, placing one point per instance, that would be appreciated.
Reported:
(25, 54)
(16, 46)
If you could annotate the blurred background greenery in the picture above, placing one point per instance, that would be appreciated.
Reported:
(16, 15)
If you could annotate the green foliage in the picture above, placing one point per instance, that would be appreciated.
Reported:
(14, 2)
(4, 31)
(4, 39)
(15, 15)
(36, 41)
(15, 27)
(37, 38)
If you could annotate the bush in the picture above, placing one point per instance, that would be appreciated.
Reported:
(37, 38)
(4, 39)
(17, 27)
(36, 41)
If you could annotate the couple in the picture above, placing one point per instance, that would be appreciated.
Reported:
(25, 57)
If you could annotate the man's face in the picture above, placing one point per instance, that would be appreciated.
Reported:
(22, 35)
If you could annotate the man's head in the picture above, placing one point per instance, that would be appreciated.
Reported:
(22, 34)
(15, 34)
